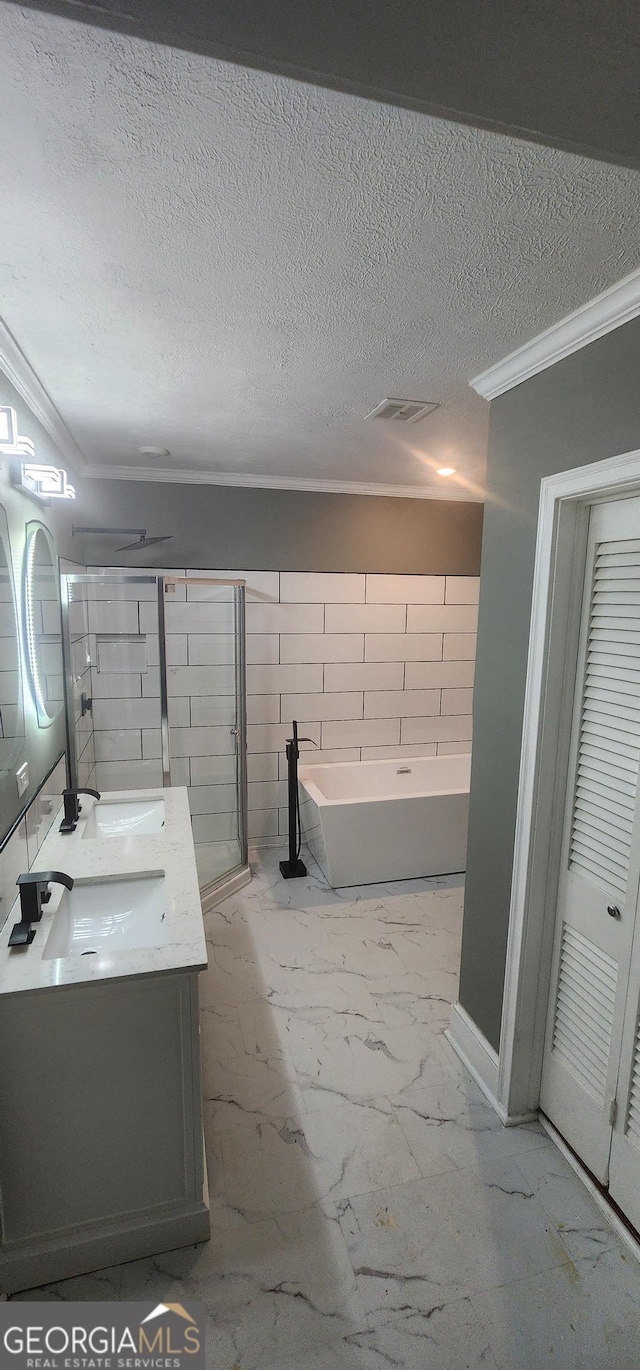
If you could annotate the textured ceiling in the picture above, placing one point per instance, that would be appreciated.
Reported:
(238, 267)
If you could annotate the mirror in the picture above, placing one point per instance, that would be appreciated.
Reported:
(42, 626)
(11, 714)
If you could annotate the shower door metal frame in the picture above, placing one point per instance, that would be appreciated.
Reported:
(240, 731)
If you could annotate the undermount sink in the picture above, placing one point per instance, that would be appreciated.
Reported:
(125, 818)
(99, 916)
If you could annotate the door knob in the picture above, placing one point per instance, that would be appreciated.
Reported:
(613, 911)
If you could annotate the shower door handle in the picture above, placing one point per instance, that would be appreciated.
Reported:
(234, 732)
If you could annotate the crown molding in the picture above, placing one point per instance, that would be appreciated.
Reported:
(23, 378)
(259, 482)
(611, 309)
(20, 373)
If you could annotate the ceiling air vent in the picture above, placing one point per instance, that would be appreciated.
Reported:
(403, 411)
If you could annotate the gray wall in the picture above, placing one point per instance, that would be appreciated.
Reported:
(581, 410)
(221, 527)
(41, 746)
(564, 73)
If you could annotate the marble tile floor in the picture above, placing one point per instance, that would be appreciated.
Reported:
(368, 1209)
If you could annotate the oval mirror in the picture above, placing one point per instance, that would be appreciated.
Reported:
(11, 714)
(42, 625)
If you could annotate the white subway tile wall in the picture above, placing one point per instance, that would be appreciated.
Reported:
(366, 618)
(321, 647)
(371, 666)
(408, 590)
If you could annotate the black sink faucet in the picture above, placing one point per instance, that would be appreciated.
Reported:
(34, 892)
(72, 808)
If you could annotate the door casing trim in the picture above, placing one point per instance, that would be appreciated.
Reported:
(565, 499)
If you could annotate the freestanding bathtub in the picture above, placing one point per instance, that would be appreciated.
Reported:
(366, 821)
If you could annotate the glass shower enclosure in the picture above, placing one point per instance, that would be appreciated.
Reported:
(156, 695)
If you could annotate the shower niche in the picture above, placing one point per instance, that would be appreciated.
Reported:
(155, 668)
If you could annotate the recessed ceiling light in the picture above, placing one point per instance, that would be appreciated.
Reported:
(446, 471)
(154, 451)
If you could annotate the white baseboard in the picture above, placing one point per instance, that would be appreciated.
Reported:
(598, 1197)
(475, 1052)
(29, 1265)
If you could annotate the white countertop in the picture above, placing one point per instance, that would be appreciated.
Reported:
(169, 853)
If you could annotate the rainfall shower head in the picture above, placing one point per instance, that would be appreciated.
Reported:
(142, 542)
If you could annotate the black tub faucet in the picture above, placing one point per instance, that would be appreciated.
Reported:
(34, 892)
(73, 807)
(294, 867)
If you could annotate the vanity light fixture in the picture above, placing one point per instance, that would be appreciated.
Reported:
(12, 443)
(46, 482)
(446, 471)
(37, 478)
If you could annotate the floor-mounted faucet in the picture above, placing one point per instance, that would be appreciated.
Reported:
(294, 867)
(34, 892)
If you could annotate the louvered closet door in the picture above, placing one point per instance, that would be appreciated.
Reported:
(599, 872)
(624, 1166)
(624, 1174)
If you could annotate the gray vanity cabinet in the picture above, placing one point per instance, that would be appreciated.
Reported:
(101, 1156)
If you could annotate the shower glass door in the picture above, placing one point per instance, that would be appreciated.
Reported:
(205, 709)
(155, 683)
(112, 655)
